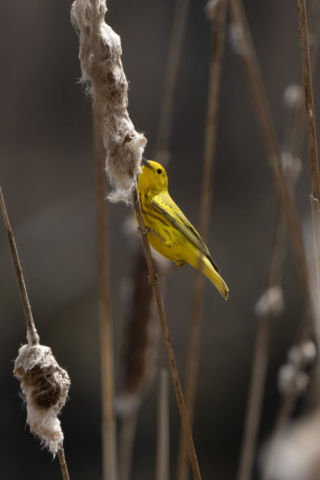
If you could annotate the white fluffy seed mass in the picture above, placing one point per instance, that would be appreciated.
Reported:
(103, 73)
(45, 387)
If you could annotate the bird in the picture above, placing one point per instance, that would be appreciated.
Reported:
(168, 230)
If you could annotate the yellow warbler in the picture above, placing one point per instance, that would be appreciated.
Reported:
(169, 231)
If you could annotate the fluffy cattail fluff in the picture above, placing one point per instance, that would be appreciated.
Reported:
(297, 451)
(103, 73)
(45, 387)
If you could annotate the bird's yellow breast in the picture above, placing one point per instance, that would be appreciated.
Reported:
(163, 236)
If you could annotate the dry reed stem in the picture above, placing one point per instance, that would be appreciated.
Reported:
(170, 81)
(299, 120)
(292, 383)
(163, 450)
(139, 357)
(167, 341)
(312, 136)
(126, 442)
(288, 401)
(192, 363)
(105, 319)
(126, 145)
(32, 335)
(63, 464)
(306, 69)
(268, 132)
(41, 389)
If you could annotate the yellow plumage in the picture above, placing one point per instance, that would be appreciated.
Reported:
(170, 232)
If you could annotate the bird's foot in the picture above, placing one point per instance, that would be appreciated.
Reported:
(145, 232)
(154, 281)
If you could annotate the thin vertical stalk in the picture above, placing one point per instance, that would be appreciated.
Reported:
(126, 442)
(106, 337)
(192, 363)
(105, 320)
(307, 78)
(287, 207)
(299, 125)
(32, 335)
(312, 136)
(170, 81)
(162, 466)
(268, 133)
(63, 464)
(167, 341)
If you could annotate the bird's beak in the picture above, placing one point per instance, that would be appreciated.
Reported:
(146, 163)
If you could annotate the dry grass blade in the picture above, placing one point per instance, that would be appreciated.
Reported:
(192, 364)
(167, 341)
(162, 466)
(170, 82)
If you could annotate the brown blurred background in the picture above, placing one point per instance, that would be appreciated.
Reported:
(47, 178)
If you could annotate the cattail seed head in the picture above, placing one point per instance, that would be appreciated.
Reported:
(45, 387)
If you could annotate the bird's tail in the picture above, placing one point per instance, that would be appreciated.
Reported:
(215, 278)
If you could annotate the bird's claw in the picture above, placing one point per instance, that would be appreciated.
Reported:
(145, 232)
(154, 281)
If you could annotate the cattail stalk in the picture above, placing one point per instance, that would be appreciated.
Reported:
(287, 206)
(312, 136)
(105, 319)
(163, 450)
(170, 81)
(124, 147)
(139, 357)
(192, 363)
(167, 341)
(44, 383)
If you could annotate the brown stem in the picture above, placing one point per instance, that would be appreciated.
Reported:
(106, 335)
(170, 81)
(63, 464)
(255, 396)
(167, 341)
(162, 465)
(307, 78)
(269, 137)
(32, 335)
(105, 320)
(289, 213)
(192, 364)
(126, 441)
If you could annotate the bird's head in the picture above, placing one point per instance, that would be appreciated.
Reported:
(153, 177)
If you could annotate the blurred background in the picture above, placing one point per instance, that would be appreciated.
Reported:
(48, 180)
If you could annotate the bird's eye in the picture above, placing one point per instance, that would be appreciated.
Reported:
(159, 171)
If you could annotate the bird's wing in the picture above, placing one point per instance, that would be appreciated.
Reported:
(164, 204)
